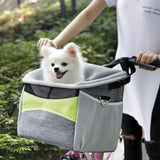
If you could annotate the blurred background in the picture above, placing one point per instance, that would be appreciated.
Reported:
(22, 24)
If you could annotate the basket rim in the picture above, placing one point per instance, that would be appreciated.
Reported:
(117, 75)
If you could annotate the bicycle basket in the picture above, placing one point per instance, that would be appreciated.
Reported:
(84, 117)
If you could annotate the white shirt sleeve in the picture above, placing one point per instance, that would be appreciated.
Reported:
(111, 3)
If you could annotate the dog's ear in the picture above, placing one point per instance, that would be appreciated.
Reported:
(45, 51)
(72, 49)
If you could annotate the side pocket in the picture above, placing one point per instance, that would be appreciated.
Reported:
(97, 128)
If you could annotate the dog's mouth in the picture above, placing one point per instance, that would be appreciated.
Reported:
(59, 75)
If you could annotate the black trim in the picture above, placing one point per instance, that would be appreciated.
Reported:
(28, 88)
(119, 83)
(77, 92)
(50, 92)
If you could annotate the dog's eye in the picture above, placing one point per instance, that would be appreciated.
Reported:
(64, 64)
(52, 64)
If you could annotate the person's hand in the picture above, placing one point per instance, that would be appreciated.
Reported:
(44, 42)
(146, 58)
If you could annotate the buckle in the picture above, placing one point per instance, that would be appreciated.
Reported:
(104, 100)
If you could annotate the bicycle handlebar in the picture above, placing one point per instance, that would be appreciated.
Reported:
(156, 63)
(153, 65)
(128, 64)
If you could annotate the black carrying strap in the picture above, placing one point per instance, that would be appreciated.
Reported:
(127, 66)
(126, 63)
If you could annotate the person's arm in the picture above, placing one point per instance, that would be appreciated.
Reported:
(86, 17)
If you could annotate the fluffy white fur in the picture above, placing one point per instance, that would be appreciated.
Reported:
(62, 65)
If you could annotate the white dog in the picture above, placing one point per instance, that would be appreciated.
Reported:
(62, 65)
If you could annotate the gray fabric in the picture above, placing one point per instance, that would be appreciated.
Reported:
(46, 127)
(116, 95)
(94, 76)
(93, 72)
(97, 128)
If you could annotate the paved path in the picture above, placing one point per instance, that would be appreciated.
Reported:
(119, 153)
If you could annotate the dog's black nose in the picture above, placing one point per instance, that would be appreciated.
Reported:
(56, 69)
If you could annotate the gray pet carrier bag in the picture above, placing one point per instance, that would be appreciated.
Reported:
(84, 117)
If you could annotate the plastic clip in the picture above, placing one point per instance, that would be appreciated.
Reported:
(104, 100)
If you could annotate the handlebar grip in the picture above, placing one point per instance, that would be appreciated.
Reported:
(149, 66)
(156, 63)
(152, 65)
(128, 64)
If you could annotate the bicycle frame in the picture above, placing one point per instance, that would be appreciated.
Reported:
(99, 156)
(72, 155)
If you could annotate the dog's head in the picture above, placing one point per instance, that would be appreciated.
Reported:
(61, 62)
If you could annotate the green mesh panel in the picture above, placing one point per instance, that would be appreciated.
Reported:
(66, 107)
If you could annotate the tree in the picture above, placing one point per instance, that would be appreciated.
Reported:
(19, 2)
(73, 7)
(63, 8)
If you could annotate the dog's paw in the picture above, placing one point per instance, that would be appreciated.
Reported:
(45, 51)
